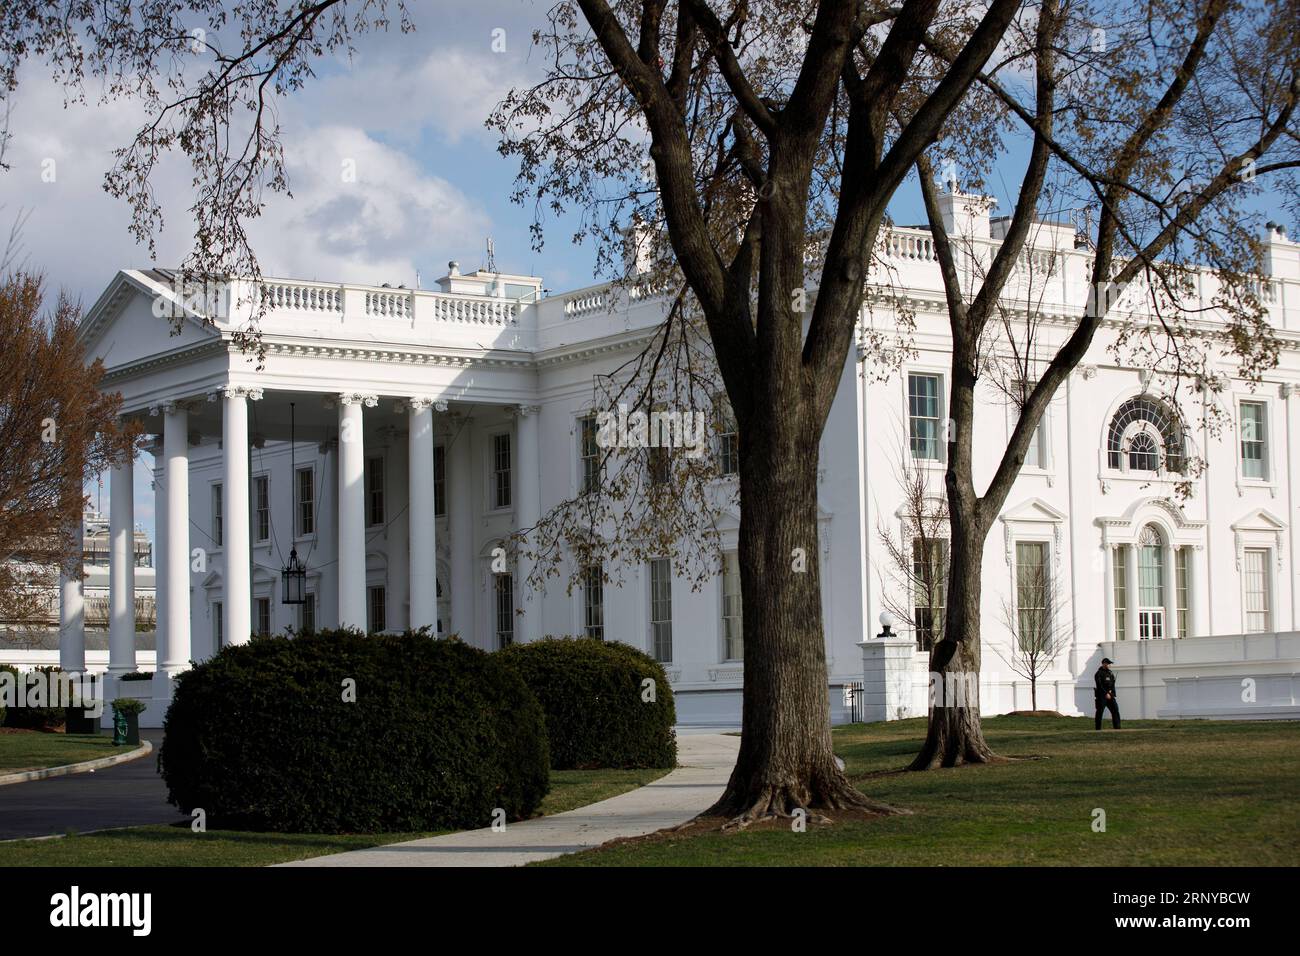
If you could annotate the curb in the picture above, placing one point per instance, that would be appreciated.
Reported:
(85, 766)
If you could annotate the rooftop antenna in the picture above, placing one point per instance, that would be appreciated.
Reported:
(491, 256)
(417, 278)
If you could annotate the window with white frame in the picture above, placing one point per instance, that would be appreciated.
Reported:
(262, 513)
(593, 601)
(306, 501)
(377, 608)
(1258, 596)
(728, 439)
(218, 625)
(263, 609)
(309, 611)
(1182, 588)
(375, 491)
(503, 594)
(1254, 440)
(923, 402)
(1151, 584)
(733, 623)
(1036, 453)
(588, 455)
(218, 532)
(929, 590)
(661, 610)
(501, 470)
(1033, 613)
(1119, 573)
(1145, 435)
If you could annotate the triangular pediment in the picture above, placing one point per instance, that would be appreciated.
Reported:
(124, 326)
(1259, 520)
(1033, 510)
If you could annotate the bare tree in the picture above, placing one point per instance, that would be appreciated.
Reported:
(1035, 618)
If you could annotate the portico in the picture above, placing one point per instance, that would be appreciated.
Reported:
(383, 414)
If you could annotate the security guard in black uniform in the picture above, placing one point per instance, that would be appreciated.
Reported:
(1105, 694)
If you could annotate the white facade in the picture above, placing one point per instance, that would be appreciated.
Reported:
(409, 407)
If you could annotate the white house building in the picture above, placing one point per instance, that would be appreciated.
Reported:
(429, 425)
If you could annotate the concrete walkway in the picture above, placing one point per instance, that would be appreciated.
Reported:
(704, 764)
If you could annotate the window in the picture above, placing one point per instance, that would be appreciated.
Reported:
(1255, 570)
(218, 625)
(1032, 618)
(1254, 441)
(501, 470)
(306, 501)
(1036, 453)
(377, 605)
(728, 439)
(588, 455)
(1119, 571)
(593, 601)
(217, 530)
(1151, 584)
(309, 611)
(375, 491)
(1143, 430)
(923, 415)
(503, 590)
(262, 491)
(929, 590)
(1181, 586)
(263, 616)
(733, 624)
(1143, 452)
(439, 480)
(661, 610)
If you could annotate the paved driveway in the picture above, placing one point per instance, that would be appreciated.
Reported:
(127, 795)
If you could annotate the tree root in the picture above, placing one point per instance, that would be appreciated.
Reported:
(776, 802)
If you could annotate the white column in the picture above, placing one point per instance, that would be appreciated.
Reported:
(528, 509)
(352, 513)
(237, 578)
(1196, 592)
(174, 650)
(327, 535)
(1131, 586)
(1171, 590)
(121, 569)
(159, 553)
(423, 530)
(462, 505)
(1108, 575)
(72, 604)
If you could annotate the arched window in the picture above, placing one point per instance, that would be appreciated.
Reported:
(1151, 583)
(1145, 435)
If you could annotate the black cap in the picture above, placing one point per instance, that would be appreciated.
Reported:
(1107, 660)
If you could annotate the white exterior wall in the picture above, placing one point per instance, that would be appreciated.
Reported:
(547, 355)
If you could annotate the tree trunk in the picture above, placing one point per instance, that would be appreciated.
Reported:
(954, 735)
(786, 761)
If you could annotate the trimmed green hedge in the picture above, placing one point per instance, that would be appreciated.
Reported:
(439, 736)
(593, 693)
(34, 718)
(8, 668)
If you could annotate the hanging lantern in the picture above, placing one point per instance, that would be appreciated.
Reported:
(294, 574)
(294, 577)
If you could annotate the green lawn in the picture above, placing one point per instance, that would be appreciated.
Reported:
(178, 846)
(33, 750)
(1196, 793)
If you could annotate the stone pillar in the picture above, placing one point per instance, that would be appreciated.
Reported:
(72, 604)
(174, 648)
(237, 580)
(159, 554)
(528, 510)
(1171, 590)
(121, 570)
(1197, 592)
(352, 510)
(887, 664)
(462, 505)
(1108, 576)
(423, 529)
